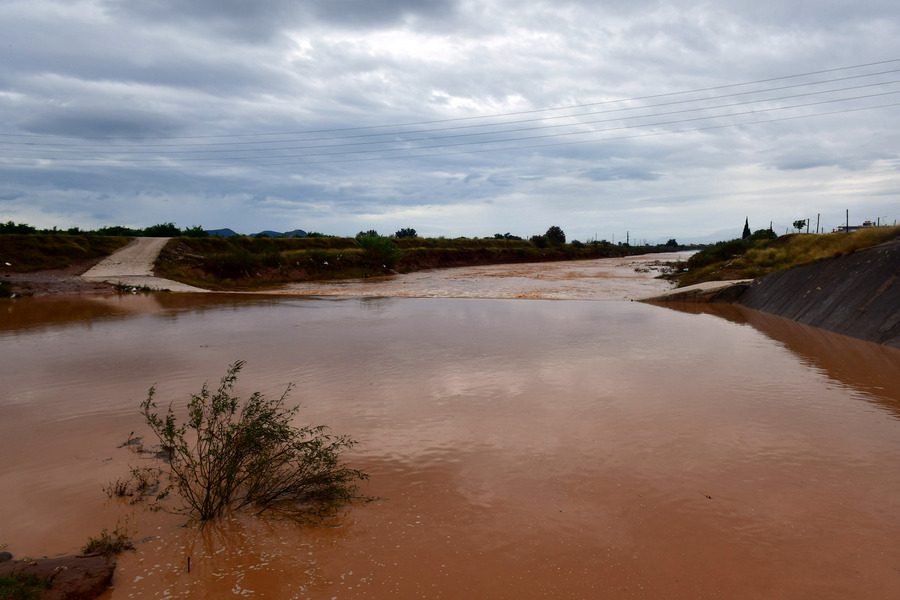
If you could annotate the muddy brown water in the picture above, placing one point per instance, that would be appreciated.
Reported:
(518, 449)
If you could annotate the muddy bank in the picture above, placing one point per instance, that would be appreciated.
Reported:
(79, 577)
(66, 280)
(856, 295)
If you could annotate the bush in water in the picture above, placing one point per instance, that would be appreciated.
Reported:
(230, 455)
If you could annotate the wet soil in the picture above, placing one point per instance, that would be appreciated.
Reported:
(55, 281)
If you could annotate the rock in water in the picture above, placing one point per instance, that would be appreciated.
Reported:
(77, 577)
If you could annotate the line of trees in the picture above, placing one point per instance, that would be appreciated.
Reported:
(158, 230)
(553, 237)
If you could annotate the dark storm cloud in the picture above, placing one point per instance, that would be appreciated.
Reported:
(258, 22)
(99, 121)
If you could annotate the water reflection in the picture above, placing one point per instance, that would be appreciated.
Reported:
(518, 449)
(872, 368)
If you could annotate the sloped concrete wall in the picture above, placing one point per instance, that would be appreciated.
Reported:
(856, 295)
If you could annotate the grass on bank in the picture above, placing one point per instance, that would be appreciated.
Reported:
(21, 253)
(758, 256)
(22, 586)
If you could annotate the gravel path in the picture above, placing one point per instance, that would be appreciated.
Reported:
(133, 266)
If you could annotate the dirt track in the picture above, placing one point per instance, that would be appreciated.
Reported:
(133, 266)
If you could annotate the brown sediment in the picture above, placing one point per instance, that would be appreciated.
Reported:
(516, 449)
(627, 278)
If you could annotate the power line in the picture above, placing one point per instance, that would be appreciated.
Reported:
(159, 165)
(179, 149)
(460, 119)
(405, 147)
(498, 124)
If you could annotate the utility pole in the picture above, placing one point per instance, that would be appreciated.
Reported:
(818, 216)
(807, 225)
(848, 221)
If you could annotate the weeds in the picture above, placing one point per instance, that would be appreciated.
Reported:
(142, 482)
(738, 259)
(379, 252)
(229, 455)
(26, 253)
(124, 288)
(110, 544)
(22, 586)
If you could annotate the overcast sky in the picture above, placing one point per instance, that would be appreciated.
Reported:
(453, 117)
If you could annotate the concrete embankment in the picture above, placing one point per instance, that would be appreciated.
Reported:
(856, 295)
(708, 291)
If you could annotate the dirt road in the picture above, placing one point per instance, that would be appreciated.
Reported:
(133, 266)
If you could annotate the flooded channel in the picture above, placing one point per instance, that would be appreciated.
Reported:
(517, 449)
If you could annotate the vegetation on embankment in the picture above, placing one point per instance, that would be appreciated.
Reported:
(24, 253)
(764, 253)
(241, 262)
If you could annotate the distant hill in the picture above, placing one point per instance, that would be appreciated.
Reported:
(288, 234)
(222, 232)
(268, 232)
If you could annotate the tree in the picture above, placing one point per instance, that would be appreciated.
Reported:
(799, 224)
(12, 227)
(162, 230)
(555, 236)
(746, 233)
(195, 231)
(408, 232)
(763, 234)
(673, 243)
(369, 233)
(539, 240)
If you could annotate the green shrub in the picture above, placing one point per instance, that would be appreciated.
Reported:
(22, 586)
(234, 263)
(540, 241)
(109, 544)
(379, 252)
(228, 455)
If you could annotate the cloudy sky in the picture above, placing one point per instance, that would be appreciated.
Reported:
(453, 117)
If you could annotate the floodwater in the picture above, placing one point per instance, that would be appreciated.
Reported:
(626, 278)
(517, 449)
